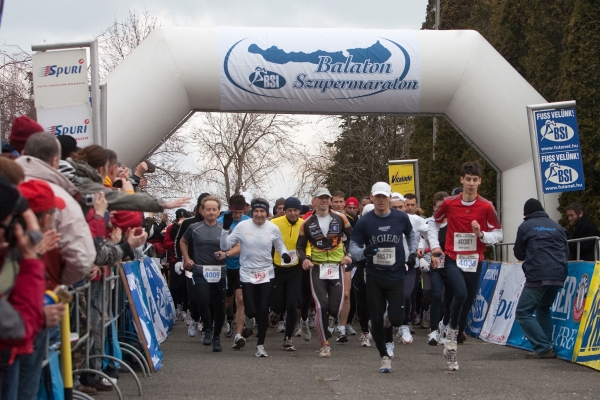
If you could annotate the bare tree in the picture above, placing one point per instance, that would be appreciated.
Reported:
(242, 151)
(16, 86)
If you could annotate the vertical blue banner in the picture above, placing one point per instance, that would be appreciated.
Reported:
(560, 153)
(479, 310)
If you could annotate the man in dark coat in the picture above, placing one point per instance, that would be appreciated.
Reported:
(542, 246)
(583, 227)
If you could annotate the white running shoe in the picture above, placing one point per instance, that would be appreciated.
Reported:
(305, 330)
(238, 342)
(325, 352)
(188, 318)
(366, 340)
(386, 365)
(178, 311)
(350, 330)
(426, 321)
(312, 324)
(331, 327)
(406, 337)
(281, 327)
(193, 329)
(390, 349)
(442, 331)
(260, 351)
(298, 331)
(450, 348)
(433, 338)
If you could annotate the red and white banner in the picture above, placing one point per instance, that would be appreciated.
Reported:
(74, 121)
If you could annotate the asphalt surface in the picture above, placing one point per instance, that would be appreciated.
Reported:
(487, 371)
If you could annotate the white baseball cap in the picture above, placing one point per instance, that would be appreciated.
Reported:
(397, 197)
(381, 188)
(321, 192)
(367, 208)
(248, 197)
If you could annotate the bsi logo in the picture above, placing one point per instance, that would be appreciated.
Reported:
(264, 79)
(560, 174)
(556, 132)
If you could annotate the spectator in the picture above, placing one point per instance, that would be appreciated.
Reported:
(21, 296)
(74, 260)
(11, 171)
(583, 227)
(542, 246)
(22, 128)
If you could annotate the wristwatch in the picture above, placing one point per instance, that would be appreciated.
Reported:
(226, 254)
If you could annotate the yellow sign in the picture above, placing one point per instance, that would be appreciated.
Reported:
(402, 178)
(587, 345)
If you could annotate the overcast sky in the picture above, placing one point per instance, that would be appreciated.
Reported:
(33, 21)
(36, 21)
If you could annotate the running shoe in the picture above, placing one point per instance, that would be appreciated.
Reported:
(450, 349)
(433, 338)
(239, 342)
(406, 337)
(288, 345)
(305, 330)
(216, 344)
(260, 351)
(207, 337)
(390, 349)
(442, 331)
(281, 327)
(331, 327)
(247, 332)
(188, 318)
(325, 352)
(411, 328)
(193, 329)
(228, 329)
(341, 335)
(297, 331)
(426, 322)
(417, 320)
(350, 330)
(273, 319)
(178, 311)
(312, 324)
(366, 340)
(386, 365)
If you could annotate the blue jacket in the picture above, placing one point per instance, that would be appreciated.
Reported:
(542, 246)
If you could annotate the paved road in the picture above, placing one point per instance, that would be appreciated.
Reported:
(192, 371)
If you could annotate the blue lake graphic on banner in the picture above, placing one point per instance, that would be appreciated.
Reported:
(489, 277)
(567, 311)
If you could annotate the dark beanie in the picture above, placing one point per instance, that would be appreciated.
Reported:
(68, 145)
(21, 129)
(259, 203)
(292, 202)
(531, 206)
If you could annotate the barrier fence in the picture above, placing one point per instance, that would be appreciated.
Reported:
(124, 300)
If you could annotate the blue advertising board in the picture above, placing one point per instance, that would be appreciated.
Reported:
(560, 161)
(567, 312)
(479, 310)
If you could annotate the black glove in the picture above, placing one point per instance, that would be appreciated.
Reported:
(286, 258)
(412, 261)
(227, 221)
(371, 250)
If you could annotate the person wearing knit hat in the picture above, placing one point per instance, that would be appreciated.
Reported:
(542, 246)
(278, 209)
(352, 205)
(237, 205)
(68, 146)
(21, 129)
(256, 237)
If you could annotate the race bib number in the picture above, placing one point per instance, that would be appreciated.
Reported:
(467, 262)
(329, 271)
(212, 273)
(259, 276)
(293, 256)
(385, 256)
(465, 242)
(442, 261)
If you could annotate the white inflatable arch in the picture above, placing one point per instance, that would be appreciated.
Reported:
(456, 74)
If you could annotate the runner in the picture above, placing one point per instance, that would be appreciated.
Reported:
(324, 230)
(237, 206)
(256, 236)
(472, 223)
(377, 237)
(287, 285)
(208, 270)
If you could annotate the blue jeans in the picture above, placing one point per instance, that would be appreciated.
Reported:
(537, 329)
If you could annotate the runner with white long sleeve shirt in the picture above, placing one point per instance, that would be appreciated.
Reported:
(257, 236)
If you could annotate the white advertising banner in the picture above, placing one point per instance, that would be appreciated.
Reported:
(319, 70)
(501, 315)
(71, 120)
(60, 78)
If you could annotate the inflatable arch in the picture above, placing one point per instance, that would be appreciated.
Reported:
(455, 74)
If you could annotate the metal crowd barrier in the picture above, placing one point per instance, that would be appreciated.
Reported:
(501, 250)
(114, 307)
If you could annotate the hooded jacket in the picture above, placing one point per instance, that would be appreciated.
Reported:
(91, 182)
(542, 246)
(74, 257)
